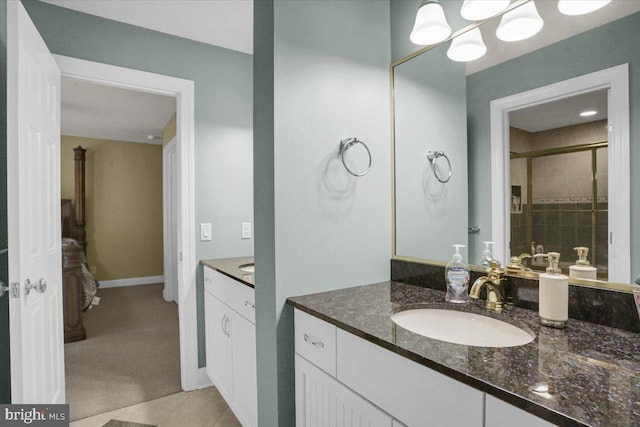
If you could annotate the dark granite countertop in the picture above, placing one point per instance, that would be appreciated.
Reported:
(586, 374)
(231, 267)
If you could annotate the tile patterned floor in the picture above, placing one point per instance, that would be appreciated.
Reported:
(199, 408)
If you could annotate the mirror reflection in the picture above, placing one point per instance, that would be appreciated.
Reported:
(559, 178)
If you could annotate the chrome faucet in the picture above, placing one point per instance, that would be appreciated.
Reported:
(495, 289)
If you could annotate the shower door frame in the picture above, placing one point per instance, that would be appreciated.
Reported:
(578, 148)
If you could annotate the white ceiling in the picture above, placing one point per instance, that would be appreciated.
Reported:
(95, 111)
(561, 113)
(556, 27)
(224, 23)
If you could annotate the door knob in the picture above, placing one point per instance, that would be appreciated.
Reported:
(40, 287)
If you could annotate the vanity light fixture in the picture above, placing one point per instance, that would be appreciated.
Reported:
(580, 7)
(431, 26)
(520, 23)
(479, 10)
(467, 47)
(588, 113)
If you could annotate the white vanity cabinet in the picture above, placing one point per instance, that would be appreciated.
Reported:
(230, 335)
(321, 400)
(342, 379)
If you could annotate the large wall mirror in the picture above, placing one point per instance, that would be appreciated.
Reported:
(496, 149)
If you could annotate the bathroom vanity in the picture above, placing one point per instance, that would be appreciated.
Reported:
(230, 334)
(354, 363)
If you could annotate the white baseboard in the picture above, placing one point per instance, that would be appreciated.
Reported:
(132, 281)
(203, 379)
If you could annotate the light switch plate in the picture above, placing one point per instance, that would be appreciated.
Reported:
(246, 230)
(205, 232)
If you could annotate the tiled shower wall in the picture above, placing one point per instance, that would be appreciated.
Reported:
(561, 231)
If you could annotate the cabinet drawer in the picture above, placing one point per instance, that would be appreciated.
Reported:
(315, 340)
(413, 394)
(236, 295)
(502, 414)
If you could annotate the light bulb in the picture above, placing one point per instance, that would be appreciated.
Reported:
(478, 10)
(520, 23)
(467, 47)
(580, 7)
(431, 26)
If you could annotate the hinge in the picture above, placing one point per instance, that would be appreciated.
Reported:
(14, 290)
(180, 256)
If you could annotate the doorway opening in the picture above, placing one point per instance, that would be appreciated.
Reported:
(191, 376)
(112, 173)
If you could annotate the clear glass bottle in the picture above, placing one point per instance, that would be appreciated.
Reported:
(457, 277)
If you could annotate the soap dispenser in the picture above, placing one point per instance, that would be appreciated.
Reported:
(553, 294)
(582, 269)
(487, 254)
(457, 277)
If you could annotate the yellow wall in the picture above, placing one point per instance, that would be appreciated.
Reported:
(169, 131)
(123, 205)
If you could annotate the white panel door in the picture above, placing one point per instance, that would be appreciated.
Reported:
(218, 345)
(245, 388)
(321, 401)
(33, 189)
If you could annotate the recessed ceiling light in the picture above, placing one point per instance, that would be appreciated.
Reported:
(588, 113)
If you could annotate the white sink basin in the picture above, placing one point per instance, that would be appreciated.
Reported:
(460, 327)
(248, 268)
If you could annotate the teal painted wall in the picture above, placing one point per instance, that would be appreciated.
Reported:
(223, 114)
(607, 46)
(5, 371)
(321, 74)
(264, 214)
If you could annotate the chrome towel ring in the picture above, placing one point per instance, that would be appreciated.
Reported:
(433, 156)
(347, 143)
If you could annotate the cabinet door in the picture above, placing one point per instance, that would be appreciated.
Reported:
(245, 394)
(321, 401)
(218, 345)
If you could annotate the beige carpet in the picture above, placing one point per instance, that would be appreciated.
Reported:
(131, 353)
